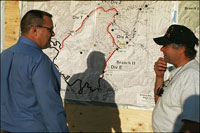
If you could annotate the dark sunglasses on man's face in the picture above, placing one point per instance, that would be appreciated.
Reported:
(50, 29)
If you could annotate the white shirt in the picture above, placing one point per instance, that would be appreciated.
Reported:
(180, 99)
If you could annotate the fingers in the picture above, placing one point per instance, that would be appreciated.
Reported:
(160, 67)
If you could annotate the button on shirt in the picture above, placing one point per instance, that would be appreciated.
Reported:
(30, 90)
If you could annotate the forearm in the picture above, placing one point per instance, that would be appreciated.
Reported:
(190, 126)
(158, 84)
(159, 68)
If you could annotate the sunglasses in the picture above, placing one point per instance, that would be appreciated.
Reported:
(50, 29)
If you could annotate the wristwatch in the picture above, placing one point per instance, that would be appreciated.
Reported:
(160, 91)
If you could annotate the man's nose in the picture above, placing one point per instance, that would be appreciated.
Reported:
(162, 49)
(53, 33)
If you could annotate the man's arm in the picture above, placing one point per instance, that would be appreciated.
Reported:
(159, 68)
(190, 101)
(47, 91)
(158, 84)
(190, 126)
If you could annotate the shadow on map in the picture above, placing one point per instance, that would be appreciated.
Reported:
(90, 99)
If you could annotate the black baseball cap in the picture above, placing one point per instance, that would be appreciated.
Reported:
(178, 34)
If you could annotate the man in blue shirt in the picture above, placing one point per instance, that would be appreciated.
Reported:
(30, 83)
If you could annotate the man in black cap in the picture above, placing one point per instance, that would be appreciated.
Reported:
(177, 99)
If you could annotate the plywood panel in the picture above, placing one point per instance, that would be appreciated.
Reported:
(12, 22)
(82, 118)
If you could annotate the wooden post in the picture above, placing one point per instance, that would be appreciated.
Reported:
(12, 23)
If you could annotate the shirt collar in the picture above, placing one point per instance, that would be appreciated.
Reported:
(29, 42)
(173, 72)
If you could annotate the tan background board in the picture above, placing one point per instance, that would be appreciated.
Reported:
(82, 118)
(107, 119)
(12, 23)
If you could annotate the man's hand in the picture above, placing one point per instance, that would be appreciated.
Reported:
(160, 67)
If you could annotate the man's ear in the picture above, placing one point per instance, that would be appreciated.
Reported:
(33, 30)
(182, 49)
(32, 34)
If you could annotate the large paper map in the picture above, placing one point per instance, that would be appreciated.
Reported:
(104, 50)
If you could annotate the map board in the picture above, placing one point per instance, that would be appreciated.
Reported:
(104, 50)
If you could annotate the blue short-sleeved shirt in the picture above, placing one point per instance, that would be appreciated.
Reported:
(30, 90)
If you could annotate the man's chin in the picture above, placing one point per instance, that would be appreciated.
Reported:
(166, 60)
(47, 46)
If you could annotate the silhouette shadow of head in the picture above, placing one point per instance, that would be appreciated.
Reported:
(90, 88)
(96, 62)
(190, 111)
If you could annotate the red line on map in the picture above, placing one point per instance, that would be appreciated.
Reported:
(109, 59)
(65, 39)
(83, 22)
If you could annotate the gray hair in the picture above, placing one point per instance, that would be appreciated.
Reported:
(190, 52)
